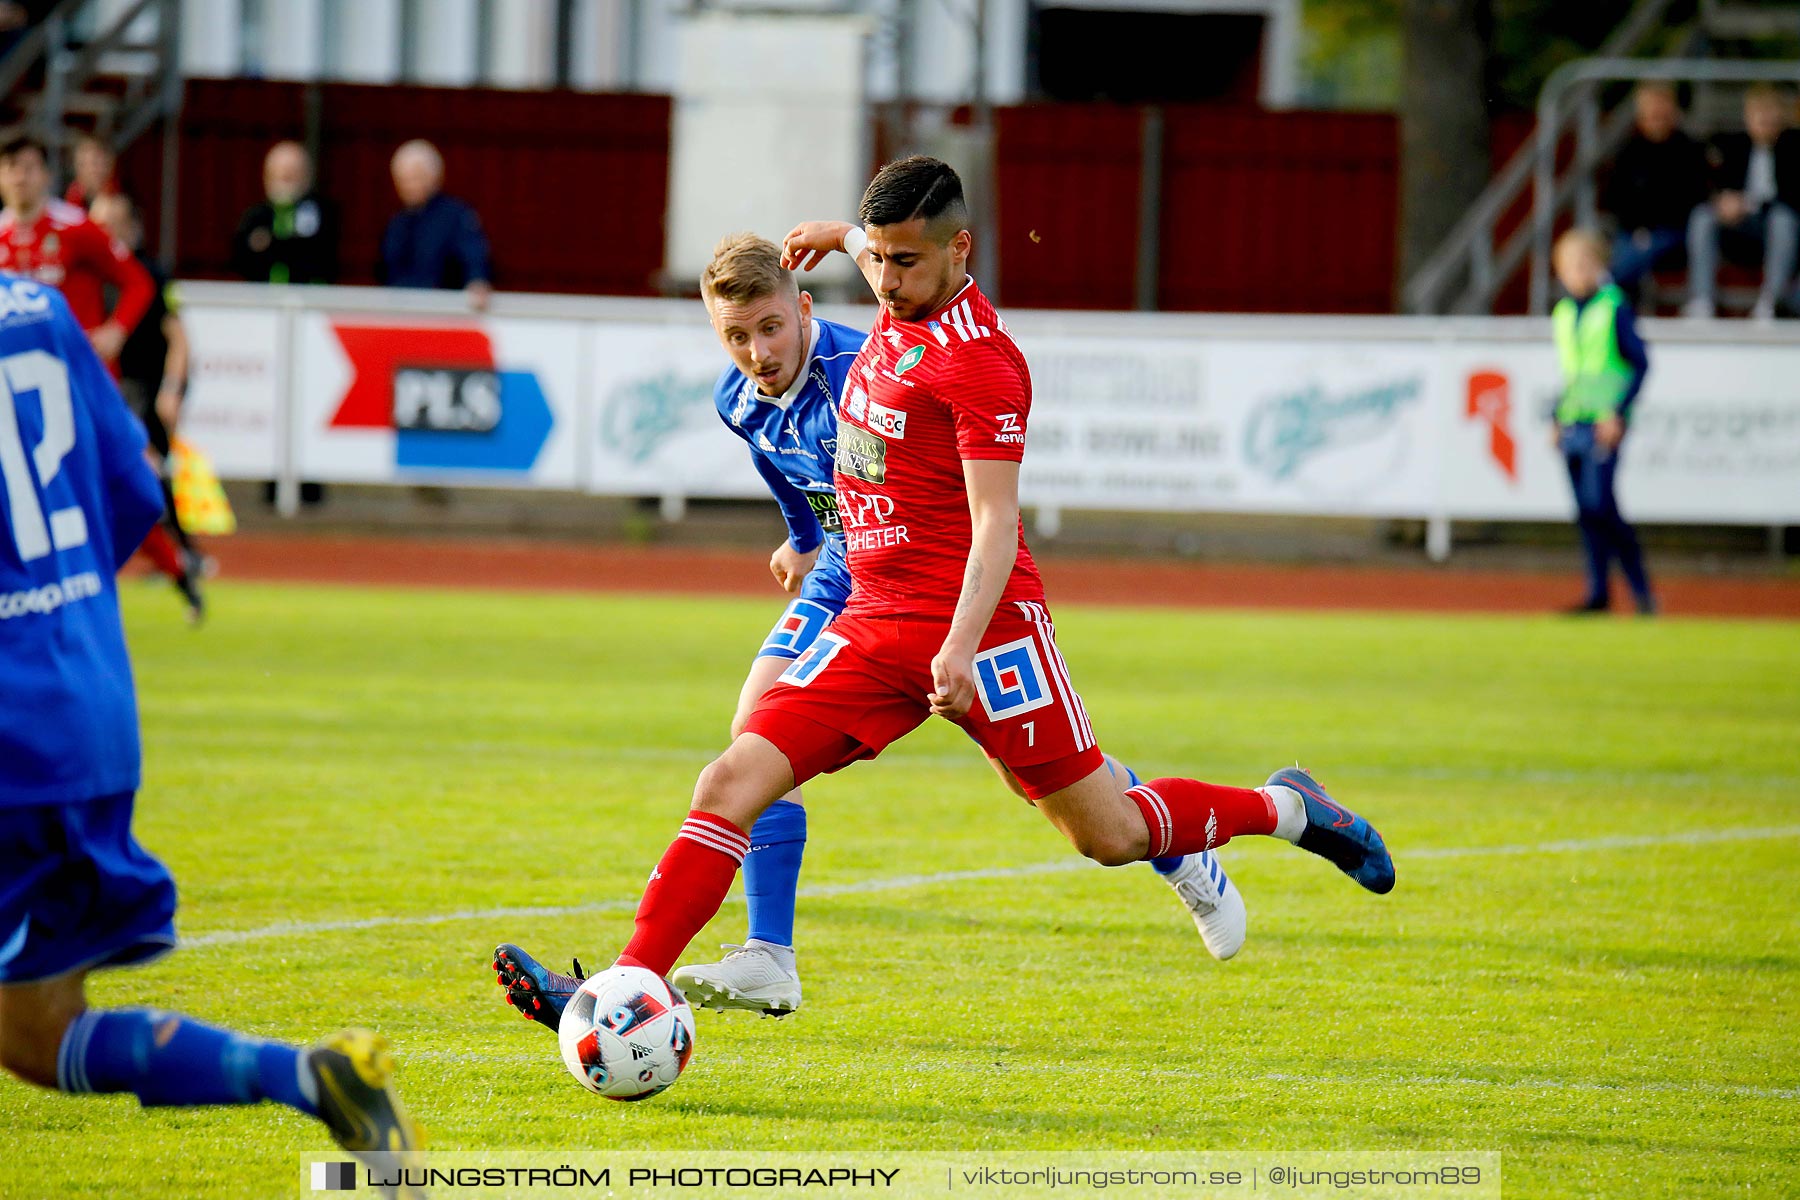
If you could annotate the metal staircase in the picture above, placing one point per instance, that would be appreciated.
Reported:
(109, 67)
(1552, 176)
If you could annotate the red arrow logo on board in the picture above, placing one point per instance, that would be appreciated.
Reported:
(376, 351)
(1490, 401)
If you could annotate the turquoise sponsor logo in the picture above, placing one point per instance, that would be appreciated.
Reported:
(1286, 431)
(644, 413)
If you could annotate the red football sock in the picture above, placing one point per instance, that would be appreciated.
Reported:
(685, 890)
(161, 552)
(1185, 816)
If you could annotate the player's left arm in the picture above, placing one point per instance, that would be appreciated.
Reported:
(993, 487)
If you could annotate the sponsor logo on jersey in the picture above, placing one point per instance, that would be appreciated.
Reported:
(909, 360)
(22, 298)
(862, 509)
(861, 455)
(1010, 433)
(868, 522)
(1011, 680)
(825, 508)
(888, 422)
(815, 658)
(763, 443)
(856, 405)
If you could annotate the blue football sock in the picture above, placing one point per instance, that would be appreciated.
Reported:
(167, 1059)
(772, 871)
(1168, 864)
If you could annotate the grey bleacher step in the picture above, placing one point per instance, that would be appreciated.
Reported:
(1752, 21)
(93, 104)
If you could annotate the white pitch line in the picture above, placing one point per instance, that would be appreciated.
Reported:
(1532, 1084)
(890, 883)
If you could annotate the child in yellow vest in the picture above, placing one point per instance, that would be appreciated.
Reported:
(1604, 363)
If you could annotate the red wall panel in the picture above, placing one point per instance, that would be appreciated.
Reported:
(1260, 211)
(1067, 193)
(572, 187)
(1278, 212)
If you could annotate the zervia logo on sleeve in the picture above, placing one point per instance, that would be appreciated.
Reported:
(451, 406)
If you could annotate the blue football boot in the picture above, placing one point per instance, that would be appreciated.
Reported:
(1338, 835)
(534, 989)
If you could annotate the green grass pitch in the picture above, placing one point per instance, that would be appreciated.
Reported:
(350, 783)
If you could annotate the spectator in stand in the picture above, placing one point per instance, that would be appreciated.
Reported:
(96, 171)
(153, 375)
(436, 240)
(1755, 209)
(1658, 179)
(16, 19)
(53, 242)
(292, 235)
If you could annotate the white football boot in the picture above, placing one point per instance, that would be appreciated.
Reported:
(756, 976)
(1214, 901)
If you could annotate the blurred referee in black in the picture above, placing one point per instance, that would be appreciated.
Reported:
(153, 375)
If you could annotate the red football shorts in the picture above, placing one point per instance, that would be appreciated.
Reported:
(863, 684)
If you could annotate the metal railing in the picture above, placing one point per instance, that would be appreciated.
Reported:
(1549, 198)
(1468, 270)
(70, 67)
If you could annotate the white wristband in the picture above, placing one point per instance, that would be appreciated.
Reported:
(855, 240)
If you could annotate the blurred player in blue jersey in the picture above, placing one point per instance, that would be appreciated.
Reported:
(780, 395)
(77, 891)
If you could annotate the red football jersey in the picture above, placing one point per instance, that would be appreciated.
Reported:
(922, 397)
(70, 253)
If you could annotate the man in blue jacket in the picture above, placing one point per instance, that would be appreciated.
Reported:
(435, 241)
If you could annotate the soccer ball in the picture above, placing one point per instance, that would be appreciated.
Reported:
(626, 1034)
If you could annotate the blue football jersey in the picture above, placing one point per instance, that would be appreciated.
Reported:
(76, 499)
(793, 438)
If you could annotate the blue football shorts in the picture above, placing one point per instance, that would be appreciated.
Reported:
(823, 594)
(78, 892)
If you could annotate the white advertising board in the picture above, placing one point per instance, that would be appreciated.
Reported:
(233, 409)
(385, 399)
(1162, 424)
(1370, 417)
(1714, 436)
(656, 430)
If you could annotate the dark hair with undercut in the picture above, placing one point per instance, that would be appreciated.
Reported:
(910, 188)
(13, 147)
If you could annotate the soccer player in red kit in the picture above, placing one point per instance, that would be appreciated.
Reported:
(53, 242)
(947, 615)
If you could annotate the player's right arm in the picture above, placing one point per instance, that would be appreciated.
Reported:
(794, 557)
(113, 261)
(810, 243)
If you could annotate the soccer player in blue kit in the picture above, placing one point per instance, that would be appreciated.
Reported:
(780, 395)
(77, 891)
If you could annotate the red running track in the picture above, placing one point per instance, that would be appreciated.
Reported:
(561, 566)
